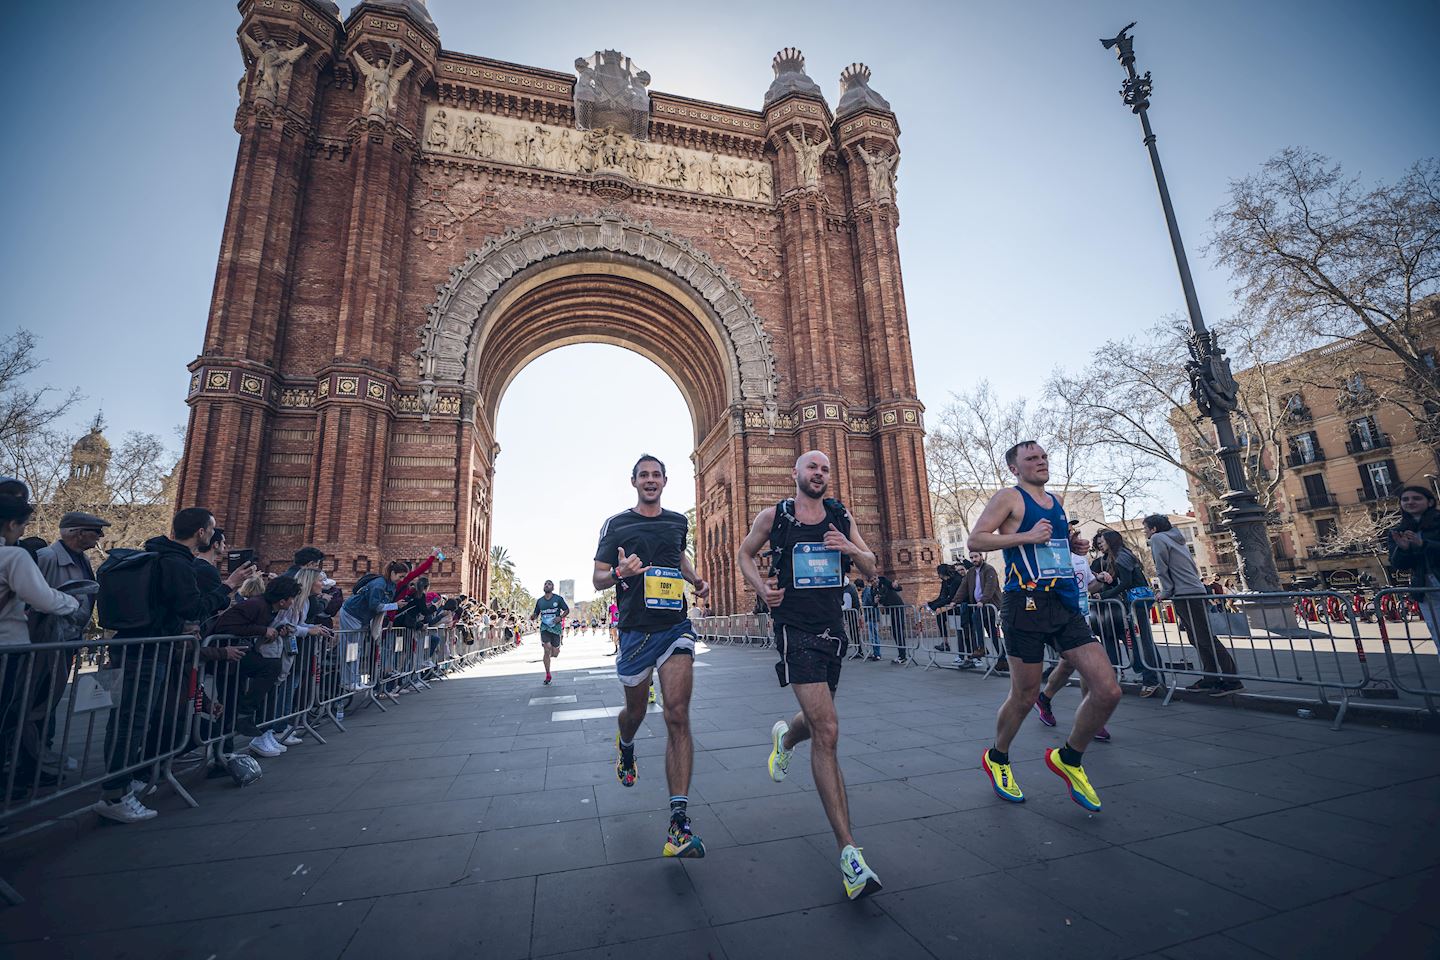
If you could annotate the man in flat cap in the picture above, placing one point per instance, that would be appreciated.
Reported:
(59, 563)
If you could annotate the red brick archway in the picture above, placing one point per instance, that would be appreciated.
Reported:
(402, 239)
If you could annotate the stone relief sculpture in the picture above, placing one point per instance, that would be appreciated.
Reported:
(603, 149)
(881, 171)
(807, 156)
(273, 66)
(382, 82)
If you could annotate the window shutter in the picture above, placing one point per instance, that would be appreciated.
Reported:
(1365, 482)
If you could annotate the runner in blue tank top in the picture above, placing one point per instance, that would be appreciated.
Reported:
(1040, 607)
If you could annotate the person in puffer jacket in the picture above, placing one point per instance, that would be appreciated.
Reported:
(1180, 583)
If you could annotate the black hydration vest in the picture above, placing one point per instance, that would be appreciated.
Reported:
(812, 609)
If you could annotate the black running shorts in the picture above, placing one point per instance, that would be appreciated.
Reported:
(553, 639)
(808, 657)
(1032, 620)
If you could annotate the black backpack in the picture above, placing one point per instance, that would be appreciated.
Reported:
(129, 584)
(360, 584)
(785, 517)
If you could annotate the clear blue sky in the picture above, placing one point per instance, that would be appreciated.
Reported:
(1025, 194)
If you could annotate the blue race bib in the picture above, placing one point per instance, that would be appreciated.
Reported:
(813, 566)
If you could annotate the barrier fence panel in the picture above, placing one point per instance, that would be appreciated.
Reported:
(1410, 620)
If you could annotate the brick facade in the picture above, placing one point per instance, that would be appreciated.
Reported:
(376, 292)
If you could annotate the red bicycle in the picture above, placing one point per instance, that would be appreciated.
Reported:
(1399, 608)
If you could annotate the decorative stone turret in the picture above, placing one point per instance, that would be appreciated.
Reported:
(855, 92)
(790, 77)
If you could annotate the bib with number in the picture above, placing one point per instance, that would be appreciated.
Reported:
(813, 566)
(1052, 560)
(664, 589)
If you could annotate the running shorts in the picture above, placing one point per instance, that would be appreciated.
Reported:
(1032, 620)
(641, 652)
(554, 639)
(809, 657)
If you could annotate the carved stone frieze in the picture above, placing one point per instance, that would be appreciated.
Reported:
(449, 329)
(484, 136)
(753, 239)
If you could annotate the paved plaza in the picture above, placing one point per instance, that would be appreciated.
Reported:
(482, 819)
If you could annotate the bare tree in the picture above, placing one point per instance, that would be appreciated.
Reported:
(1319, 259)
(1361, 533)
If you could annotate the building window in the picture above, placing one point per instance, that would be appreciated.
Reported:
(1365, 435)
(1305, 448)
(1325, 530)
(1378, 479)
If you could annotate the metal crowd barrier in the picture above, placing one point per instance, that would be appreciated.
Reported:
(1414, 669)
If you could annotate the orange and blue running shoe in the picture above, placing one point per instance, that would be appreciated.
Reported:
(1080, 790)
(1002, 779)
(680, 840)
(625, 769)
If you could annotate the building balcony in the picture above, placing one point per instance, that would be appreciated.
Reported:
(1299, 459)
(1377, 496)
(1317, 502)
(1300, 414)
(1355, 447)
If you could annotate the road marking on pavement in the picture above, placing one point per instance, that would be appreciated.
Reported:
(539, 701)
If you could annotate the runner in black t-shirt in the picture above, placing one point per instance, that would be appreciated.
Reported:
(642, 555)
(550, 610)
(815, 540)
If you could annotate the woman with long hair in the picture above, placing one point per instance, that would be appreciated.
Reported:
(1415, 546)
(1122, 578)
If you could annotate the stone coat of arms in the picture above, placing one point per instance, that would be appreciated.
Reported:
(610, 92)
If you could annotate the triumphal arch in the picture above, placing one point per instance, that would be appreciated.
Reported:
(409, 226)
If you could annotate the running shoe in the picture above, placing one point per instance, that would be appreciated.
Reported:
(652, 693)
(860, 880)
(1080, 790)
(1002, 779)
(547, 679)
(779, 756)
(1047, 716)
(680, 840)
(626, 770)
(1103, 735)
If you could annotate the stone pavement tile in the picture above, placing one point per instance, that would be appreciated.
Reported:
(760, 819)
(963, 789)
(997, 916)
(908, 853)
(584, 753)
(390, 793)
(1363, 772)
(1211, 947)
(562, 776)
(256, 803)
(914, 762)
(1111, 764)
(1209, 802)
(390, 752)
(841, 931)
(543, 848)
(299, 933)
(301, 773)
(163, 895)
(743, 882)
(1419, 756)
(550, 806)
(890, 740)
(1162, 726)
(739, 758)
(126, 848)
(1412, 896)
(1370, 845)
(1263, 743)
(385, 868)
(886, 801)
(1128, 813)
(495, 783)
(417, 769)
(528, 759)
(967, 751)
(470, 746)
(489, 920)
(1343, 927)
(316, 831)
(1196, 754)
(1319, 731)
(1151, 905)
(1283, 781)
(615, 903)
(744, 783)
(560, 739)
(442, 818)
(743, 737)
(640, 836)
(687, 944)
(1007, 834)
(1277, 876)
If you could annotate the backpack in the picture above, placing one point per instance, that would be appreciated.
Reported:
(360, 584)
(129, 584)
(785, 516)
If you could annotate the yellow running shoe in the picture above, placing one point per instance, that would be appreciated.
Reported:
(1080, 790)
(860, 880)
(779, 756)
(1002, 779)
(652, 693)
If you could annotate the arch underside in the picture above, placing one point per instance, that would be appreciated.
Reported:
(557, 307)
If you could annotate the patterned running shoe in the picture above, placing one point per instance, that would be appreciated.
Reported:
(1002, 779)
(680, 840)
(860, 880)
(625, 769)
(1080, 790)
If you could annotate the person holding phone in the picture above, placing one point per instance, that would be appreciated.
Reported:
(1415, 546)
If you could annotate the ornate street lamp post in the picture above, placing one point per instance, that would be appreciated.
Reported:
(1211, 383)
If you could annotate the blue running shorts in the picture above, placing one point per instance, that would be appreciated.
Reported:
(641, 652)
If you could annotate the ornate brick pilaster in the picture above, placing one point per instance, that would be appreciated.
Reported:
(286, 48)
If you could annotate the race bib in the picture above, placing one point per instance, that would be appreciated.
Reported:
(1052, 560)
(549, 618)
(664, 589)
(813, 566)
